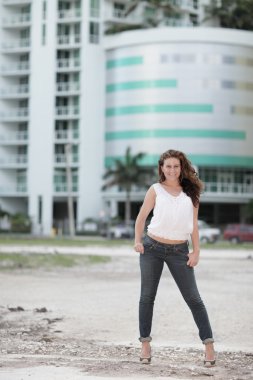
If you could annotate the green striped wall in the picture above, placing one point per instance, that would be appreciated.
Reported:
(141, 84)
(159, 108)
(159, 133)
(197, 159)
(126, 61)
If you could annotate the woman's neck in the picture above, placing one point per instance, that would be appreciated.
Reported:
(171, 183)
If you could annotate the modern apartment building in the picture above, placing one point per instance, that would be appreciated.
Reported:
(73, 97)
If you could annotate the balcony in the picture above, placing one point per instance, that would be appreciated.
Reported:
(115, 16)
(62, 188)
(228, 192)
(18, 114)
(60, 158)
(184, 4)
(14, 161)
(66, 136)
(176, 22)
(68, 87)
(15, 191)
(67, 112)
(15, 138)
(68, 64)
(21, 91)
(18, 45)
(228, 188)
(22, 19)
(69, 40)
(94, 38)
(18, 68)
(16, 2)
(69, 15)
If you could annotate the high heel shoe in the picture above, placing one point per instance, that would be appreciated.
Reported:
(209, 363)
(146, 359)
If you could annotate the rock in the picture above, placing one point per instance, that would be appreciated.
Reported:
(41, 310)
(18, 308)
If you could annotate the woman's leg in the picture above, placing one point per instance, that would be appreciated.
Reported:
(151, 269)
(185, 280)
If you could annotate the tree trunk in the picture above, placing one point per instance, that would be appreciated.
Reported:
(69, 189)
(127, 208)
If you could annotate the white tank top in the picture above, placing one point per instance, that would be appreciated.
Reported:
(172, 215)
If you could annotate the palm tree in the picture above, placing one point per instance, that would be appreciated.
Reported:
(235, 14)
(125, 173)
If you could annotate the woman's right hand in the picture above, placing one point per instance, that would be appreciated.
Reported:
(138, 247)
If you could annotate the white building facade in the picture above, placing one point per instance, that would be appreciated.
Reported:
(65, 84)
(51, 96)
(191, 90)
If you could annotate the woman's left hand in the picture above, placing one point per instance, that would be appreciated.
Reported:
(193, 259)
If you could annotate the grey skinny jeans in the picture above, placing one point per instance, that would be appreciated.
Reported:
(151, 265)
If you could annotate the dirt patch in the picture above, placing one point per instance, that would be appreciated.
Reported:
(86, 319)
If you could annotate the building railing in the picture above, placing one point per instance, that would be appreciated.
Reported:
(67, 86)
(60, 158)
(228, 188)
(94, 38)
(66, 135)
(67, 110)
(120, 15)
(19, 44)
(170, 21)
(14, 189)
(16, 67)
(65, 63)
(183, 3)
(14, 137)
(69, 13)
(19, 2)
(236, 190)
(15, 113)
(22, 89)
(68, 39)
(14, 159)
(63, 188)
(17, 19)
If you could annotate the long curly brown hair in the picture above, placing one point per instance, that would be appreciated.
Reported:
(189, 180)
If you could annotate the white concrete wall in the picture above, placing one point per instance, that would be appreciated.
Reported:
(42, 108)
(91, 124)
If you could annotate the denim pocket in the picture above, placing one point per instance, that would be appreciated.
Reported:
(183, 249)
(147, 243)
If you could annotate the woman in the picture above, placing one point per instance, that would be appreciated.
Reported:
(175, 203)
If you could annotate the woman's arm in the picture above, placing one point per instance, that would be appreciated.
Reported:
(147, 206)
(194, 255)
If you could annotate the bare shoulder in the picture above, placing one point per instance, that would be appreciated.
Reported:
(150, 195)
(151, 191)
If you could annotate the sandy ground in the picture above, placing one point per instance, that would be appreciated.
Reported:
(89, 329)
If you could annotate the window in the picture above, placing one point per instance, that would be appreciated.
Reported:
(21, 180)
(194, 19)
(44, 10)
(44, 32)
(94, 8)
(195, 4)
(149, 12)
(94, 32)
(40, 209)
(60, 180)
(119, 10)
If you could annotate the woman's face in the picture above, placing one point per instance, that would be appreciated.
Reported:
(171, 168)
